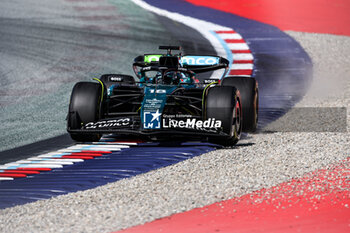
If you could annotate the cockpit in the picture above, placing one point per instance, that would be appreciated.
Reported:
(159, 75)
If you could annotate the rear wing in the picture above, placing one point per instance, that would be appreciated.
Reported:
(196, 63)
(200, 64)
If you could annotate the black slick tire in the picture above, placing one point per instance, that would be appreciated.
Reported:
(248, 88)
(223, 103)
(84, 107)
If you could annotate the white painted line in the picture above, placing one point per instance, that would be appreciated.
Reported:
(103, 145)
(68, 160)
(241, 75)
(69, 151)
(116, 143)
(53, 154)
(96, 149)
(111, 146)
(242, 56)
(53, 161)
(242, 66)
(43, 165)
(34, 165)
(6, 178)
(230, 36)
(237, 46)
(93, 148)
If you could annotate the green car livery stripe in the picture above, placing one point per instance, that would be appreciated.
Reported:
(153, 104)
(152, 58)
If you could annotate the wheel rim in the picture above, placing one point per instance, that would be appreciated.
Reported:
(236, 123)
(256, 106)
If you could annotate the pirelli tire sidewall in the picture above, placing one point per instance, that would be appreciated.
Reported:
(248, 88)
(223, 103)
(84, 107)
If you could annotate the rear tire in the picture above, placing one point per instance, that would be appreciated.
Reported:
(84, 107)
(248, 88)
(223, 103)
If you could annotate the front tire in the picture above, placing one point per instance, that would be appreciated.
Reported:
(223, 103)
(84, 107)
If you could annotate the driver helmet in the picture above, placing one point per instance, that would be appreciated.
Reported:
(176, 77)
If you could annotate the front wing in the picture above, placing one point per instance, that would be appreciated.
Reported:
(162, 126)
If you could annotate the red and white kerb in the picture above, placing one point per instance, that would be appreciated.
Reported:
(243, 60)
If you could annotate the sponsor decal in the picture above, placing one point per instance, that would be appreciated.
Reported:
(151, 120)
(192, 123)
(178, 115)
(158, 91)
(116, 79)
(114, 123)
(187, 60)
(151, 58)
(153, 104)
(199, 60)
(146, 68)
(182, 69)
(208, 81)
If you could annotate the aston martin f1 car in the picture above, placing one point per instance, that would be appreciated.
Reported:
(166, 99)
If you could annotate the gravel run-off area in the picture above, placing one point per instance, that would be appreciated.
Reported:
(259, 161)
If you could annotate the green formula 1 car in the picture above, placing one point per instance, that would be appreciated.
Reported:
(167, 99)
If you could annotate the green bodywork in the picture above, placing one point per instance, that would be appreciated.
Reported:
(153, 102)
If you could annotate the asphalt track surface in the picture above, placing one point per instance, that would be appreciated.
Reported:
(46, 47)
(167, 24)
